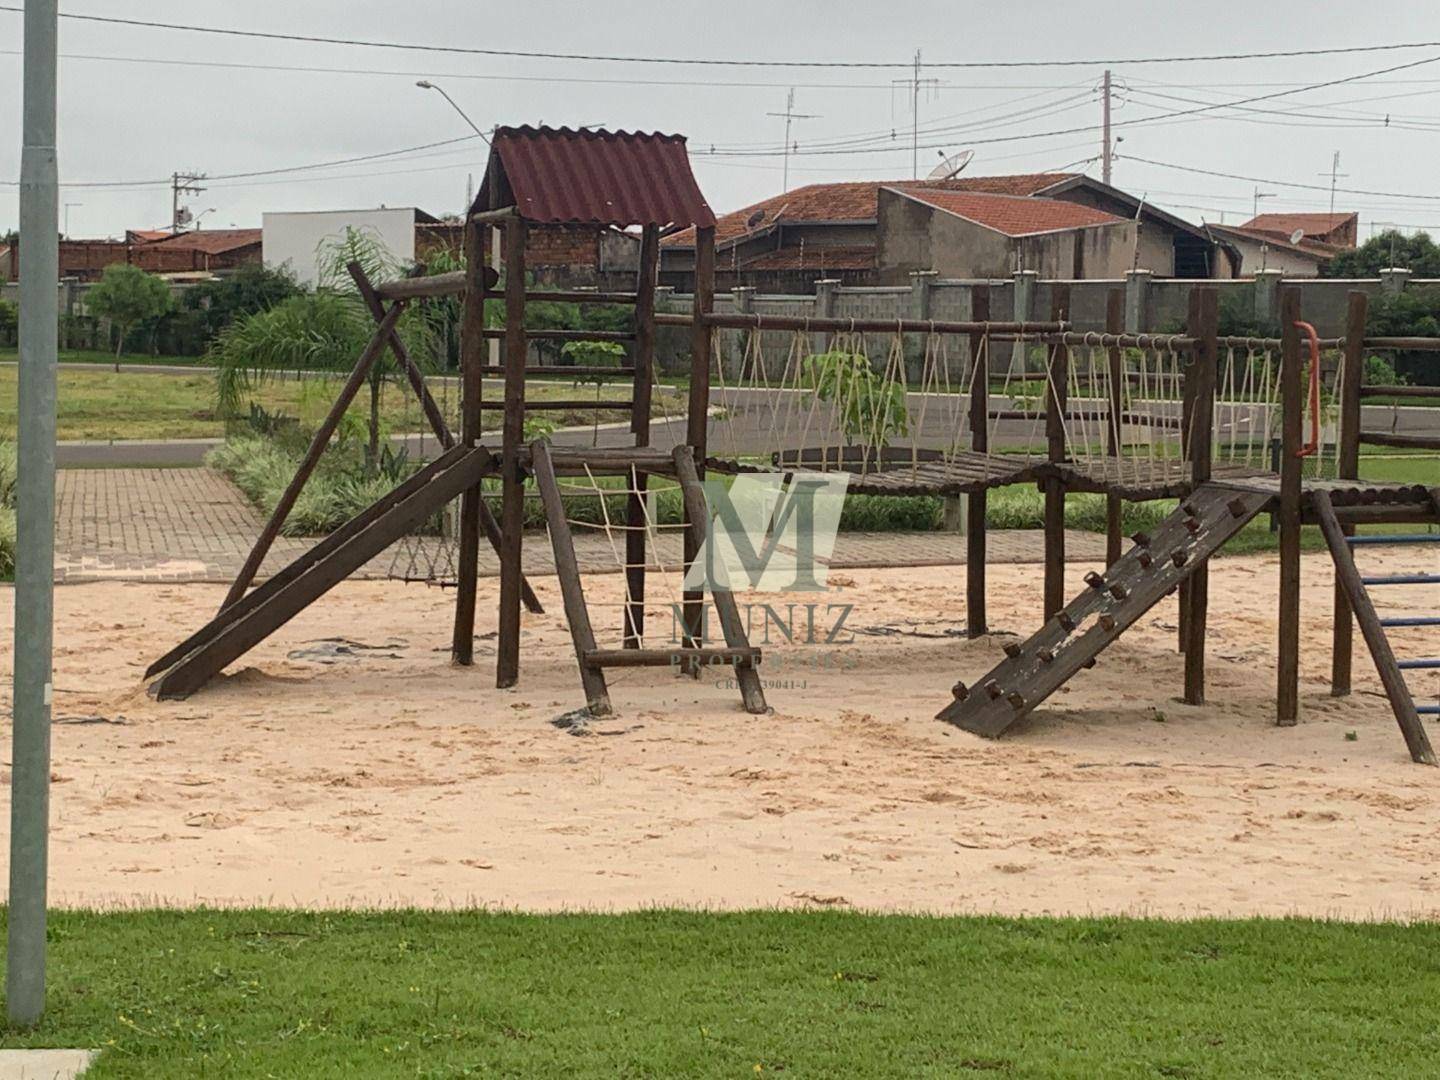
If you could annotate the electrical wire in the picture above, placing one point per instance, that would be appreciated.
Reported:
(530, 54)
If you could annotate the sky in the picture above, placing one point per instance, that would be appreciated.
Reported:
(137, 104)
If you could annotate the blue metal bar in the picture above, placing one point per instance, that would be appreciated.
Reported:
(1418, 620)
(1402, 579)
(1428, 710)
(1395, 538)
(1418, 665)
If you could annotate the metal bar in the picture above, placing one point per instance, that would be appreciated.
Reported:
(1428, 710)
(1395, 538)
(317, 447)
(35, 526)
(1396, 689)
(1418, 620)
(1428, 664)
(1402, 579)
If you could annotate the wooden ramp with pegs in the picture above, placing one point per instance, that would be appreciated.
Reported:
(1113, 602)
(1372, 627)
(692, 656)
(254, 617)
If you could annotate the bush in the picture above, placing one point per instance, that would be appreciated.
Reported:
(216, 304)
(9, 322)
(1409, 314)
(7, 511)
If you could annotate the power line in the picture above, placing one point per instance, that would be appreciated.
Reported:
(1280, 183)
(528, 54)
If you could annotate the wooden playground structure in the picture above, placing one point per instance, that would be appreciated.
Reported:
(1229, 426)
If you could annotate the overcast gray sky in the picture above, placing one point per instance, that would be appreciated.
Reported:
(161, 101)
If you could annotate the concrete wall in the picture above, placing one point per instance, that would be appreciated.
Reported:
(1288, 262)
(294, 238)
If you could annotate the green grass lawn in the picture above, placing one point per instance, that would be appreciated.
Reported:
(92, 356)
(667, 994)
(102, 404)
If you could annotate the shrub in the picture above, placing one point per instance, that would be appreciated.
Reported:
(7, 510)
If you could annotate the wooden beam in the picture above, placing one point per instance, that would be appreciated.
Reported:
(1115, 368)
(1391, 676)
(472, 503)
(318, 444)
(1292, 409)
(512, 504)
(697, 516)
(636, 510)
(1204, 326)
(698, 411)
(1347, 467)
(976, 620)
(1057, 395)
(567, 570)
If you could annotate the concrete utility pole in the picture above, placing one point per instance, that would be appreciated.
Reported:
(182, 184)
(35, 523)
(1105, 128)
(790, 115)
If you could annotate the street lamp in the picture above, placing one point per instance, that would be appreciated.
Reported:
(426, 84)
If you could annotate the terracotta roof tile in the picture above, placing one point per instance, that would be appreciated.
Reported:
(210, 241)
(1015, 215)
(1309, 224)
(854, 200)
(815, 257)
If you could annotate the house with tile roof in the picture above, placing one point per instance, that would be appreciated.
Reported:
(963, 234)
(1266, 250)
(787, 242)
(1334, 230)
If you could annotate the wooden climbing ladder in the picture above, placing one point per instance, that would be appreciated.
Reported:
(1113, 602)
(691, 656)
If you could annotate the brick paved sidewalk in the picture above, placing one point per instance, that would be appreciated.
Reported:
(194, 525)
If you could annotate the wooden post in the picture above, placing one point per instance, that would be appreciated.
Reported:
(567, 569)
(1292, 398)
(644, 381)
(472, 356)
(1349, 579)
(698, 419)
(1352, 376)
(512, 499)
(975, 539)
(1204, 326)
(1056, 403)
(317, 446)
(1115, 365)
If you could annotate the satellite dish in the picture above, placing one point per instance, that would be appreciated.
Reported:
(1297, 236)
(755, 219)
(951, 166)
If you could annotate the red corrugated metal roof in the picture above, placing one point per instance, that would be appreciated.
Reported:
(855, 201)
(559, 175)
(1015, 215)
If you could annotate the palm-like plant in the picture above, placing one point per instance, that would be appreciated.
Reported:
(321, 331)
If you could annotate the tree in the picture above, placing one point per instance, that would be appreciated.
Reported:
(249, 289)
(1390, 248)
(128, 296)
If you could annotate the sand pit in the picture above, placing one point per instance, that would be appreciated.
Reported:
(381, 775)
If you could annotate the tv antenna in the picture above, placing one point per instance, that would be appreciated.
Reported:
(951, 166)
(915, 82)
(1335, 177)
(790, 116)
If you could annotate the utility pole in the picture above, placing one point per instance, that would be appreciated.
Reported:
(186, 184)
(35, 524)
(790, 115)
(1335, 177)
(1105, 128)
